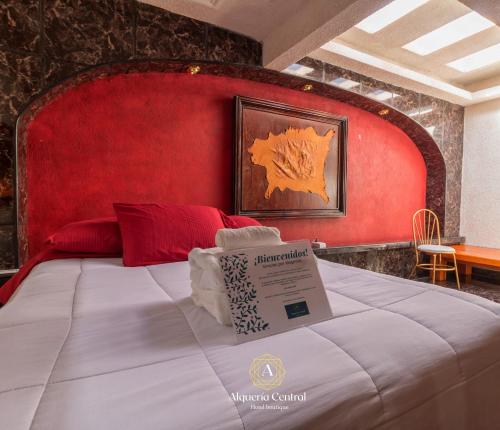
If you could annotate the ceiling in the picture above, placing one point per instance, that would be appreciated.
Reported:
(292, 29)
(388, 43)
(253, 18)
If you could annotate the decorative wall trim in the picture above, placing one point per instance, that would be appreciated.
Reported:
(436, 171)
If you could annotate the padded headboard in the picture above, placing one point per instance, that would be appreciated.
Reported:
(146, 132)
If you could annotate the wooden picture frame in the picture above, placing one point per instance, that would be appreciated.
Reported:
(289, 162)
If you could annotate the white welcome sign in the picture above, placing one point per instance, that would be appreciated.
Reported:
(273, 289)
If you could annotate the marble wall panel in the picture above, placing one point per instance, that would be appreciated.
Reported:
(7, 245)
(161, 34)
(20, 25)
(55, 71)
(20, 79)
(229, 47)
(88, 31)
(396, 262)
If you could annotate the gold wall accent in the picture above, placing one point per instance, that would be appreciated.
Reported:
(194, 69)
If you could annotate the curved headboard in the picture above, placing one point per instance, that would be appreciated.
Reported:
(152, 131)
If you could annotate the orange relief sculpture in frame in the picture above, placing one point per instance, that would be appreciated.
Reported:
(289, 162)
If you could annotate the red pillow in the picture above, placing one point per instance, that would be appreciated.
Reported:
(162, 233)
(238, 221)
(96, 236)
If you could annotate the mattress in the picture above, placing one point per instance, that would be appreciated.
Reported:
(89, 344)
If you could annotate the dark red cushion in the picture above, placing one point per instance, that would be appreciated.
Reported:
(238, 221)
(162, 233)
(95, 236)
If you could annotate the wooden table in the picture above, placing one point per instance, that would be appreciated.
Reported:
(469, 256)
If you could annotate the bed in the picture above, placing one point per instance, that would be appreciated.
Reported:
(88, 343)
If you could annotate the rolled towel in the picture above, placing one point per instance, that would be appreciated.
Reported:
(204, 268)
(207, 283)
(215, 302)
(247, 237)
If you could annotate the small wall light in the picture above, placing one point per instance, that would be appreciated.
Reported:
(307, 87)
(383, 112)
(193, 69)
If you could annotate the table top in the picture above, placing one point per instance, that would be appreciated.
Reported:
(478, 255)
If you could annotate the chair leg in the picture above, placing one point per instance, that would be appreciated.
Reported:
(434, 269)
(456, 271)
(413, 273)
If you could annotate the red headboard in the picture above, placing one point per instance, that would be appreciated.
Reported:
(164, 136)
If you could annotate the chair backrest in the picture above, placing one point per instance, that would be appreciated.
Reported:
(425, 227)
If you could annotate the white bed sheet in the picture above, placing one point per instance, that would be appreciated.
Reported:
(89, 344)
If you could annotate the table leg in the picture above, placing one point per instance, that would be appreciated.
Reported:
(441, 276)
(466, 270)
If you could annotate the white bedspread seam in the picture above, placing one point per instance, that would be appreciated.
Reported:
(465, 301)
(444, 390)
(460, 369)
(21, 388)
(199, 344)
(463, 379)
(375, 307)
(382, 308)
(31, 322)
(379, 393)
(425, 286)
(356, 270)
(109, 372)
(60, 349)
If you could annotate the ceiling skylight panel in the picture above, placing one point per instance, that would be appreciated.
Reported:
(344, 83)
(477, 60)
(453, 32)
(389, 14)
(298, 69)
(380, 95)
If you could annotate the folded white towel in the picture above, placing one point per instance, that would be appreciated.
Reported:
(205, 270)
(207, 283)
(247, 237)
(215, 302)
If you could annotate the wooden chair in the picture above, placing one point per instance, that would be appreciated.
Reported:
(426, 233)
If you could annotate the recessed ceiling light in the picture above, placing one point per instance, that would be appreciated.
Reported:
(388, 14)
(379, 63)
(347, 84)
(449, 34)
(298, 69)
(477, 60)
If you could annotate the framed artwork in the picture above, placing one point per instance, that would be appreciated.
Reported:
(289, 162)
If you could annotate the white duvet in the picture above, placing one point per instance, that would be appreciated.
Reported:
(88, 344)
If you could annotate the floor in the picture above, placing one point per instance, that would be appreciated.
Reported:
(480, 288)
